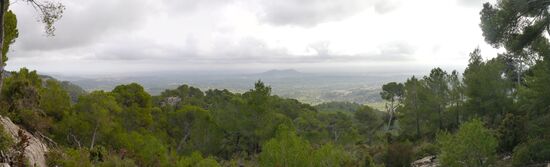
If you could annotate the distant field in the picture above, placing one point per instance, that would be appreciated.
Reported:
(306, 87)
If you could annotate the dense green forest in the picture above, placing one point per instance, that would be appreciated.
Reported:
(494, 113)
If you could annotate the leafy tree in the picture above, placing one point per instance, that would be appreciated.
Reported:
(181, 96)
(436, 82)
(392, 92)
(535, 94)
(55, 101)
(92, 119)
(340, 127)
(472, 145)
(486, 89)
(415, 117)
(136, 104)
(514, 24)
(368, 120)
(146, 149)
(192, 128)
(132, 94)
(456, 95)
(10, 34)
(286, 149)
(196, 160)
(330, 155)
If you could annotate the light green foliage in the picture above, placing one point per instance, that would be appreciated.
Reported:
(330, 155)
(70, 157)
(54, 100)
(196, 160)
(145, 148)
(286, 149)
(472, 145)
(6, 141)
(92, 119)
(10, 34)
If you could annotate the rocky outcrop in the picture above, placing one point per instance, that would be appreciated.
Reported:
(429, 161)
(36, 149)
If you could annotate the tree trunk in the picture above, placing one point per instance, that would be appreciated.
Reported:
(457, 115)
(93, 136)
(3, 7)
(390, 111)
(440, 118)
(417, 121)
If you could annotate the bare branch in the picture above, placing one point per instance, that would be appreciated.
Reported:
(50, 12)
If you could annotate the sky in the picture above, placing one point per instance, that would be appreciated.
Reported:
(100, 37)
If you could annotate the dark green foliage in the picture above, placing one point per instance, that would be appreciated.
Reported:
(193, 129)
(534, 151)
(486, 89)
(514, 24)
(21, 96)
(369, 120)
(511, 132)
(132, 94)
(399, 154)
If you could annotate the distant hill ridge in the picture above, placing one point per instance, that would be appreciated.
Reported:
(282, 72)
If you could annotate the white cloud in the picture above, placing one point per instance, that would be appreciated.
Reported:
(124, 35)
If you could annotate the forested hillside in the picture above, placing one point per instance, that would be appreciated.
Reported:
(494, 113)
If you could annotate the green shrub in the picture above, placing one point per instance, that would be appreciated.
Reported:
(425, 149)
(399, 154)
(6, 141)
(533, 152)
(472, 145)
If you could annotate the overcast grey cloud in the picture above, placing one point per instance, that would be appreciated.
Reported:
(313, 12)
(83, 23)
(128, 35)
